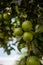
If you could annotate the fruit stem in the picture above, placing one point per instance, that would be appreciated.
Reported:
(29, 47)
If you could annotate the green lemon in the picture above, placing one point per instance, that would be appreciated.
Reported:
(27, 25)
(27, 36)
(18, 32)
(6, 16)
(32, 60)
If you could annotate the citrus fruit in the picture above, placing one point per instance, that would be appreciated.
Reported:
(18, 32)
(27, 25)
(32, 60)
(6, 16)
(27, 36)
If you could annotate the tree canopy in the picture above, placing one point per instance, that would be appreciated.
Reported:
(23, 20)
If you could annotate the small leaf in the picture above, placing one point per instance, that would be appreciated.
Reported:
(39, 28)
(20, 46)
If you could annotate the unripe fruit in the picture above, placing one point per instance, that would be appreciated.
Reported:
(6, 16)
(18, 32)
(27, 36)
(27, 25)
(32, 60)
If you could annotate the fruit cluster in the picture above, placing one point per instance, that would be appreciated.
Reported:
(28, 36)
(25, 31)
(5, 27)
(27, 26)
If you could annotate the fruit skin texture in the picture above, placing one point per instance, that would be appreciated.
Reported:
(27, 36)
(27, 25)
(6, 16)
(32, 60)
(18, 32)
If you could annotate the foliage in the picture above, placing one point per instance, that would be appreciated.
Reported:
(22, 11)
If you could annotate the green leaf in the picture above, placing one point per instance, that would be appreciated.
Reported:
(38, 28)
